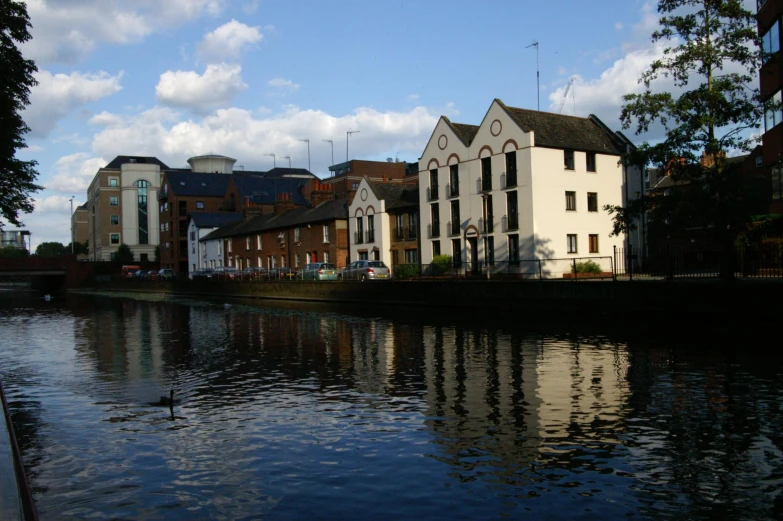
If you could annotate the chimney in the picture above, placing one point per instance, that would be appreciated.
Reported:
(321, 193)
(284, 202)
(251, 210)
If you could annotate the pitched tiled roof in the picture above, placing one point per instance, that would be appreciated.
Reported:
(327, 211)
(214, 219)
(566, 132)
(396, 195)
(187, 183)
(465, 132)
(118, 161)
(262, 190)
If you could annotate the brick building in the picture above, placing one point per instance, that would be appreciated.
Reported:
(771, 85)
(345, 177)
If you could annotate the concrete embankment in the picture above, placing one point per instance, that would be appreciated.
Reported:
(653, 299)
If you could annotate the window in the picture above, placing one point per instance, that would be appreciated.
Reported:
(413, 223)
(230, 245)
(773, 114)
(326, 233)
(411, 256)
(513, 210)
(370, 228)
(259, 245)
(115, 238)
(454, 180)
(571, 201)
(486, 174)
(359, 230)
(113, 256)
(326, 256)
(435, 218)
(592, 202)
(115, 219)
(113, 181)
(200, 204)
(308, 258)
(770, 42)
(571, 242)
(591, 161)
(433, 184)
(144, 257)
(489, 227)
(490, 250)
(511, 169)
(141, 197)
(513, 248)
(435, 248)
(296, 234)
(455, 222)
(568, 159)
(363, 255)
(456, 252)
(593, 242)
(114, 200)
(355, 186)
(399, 229)
(192, 236)
(282, 261)
(247, 243)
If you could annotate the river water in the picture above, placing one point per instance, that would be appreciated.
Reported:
(321, 412)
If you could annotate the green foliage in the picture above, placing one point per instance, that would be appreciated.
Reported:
(588, 267)
(406, 271)
(712, 113)
(157, 253)
(79, 248)
(441, 264)
(766, 228)
(50, 249)
(124, 255)
(13, 253)
(17, 178)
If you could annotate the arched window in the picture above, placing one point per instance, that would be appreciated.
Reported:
(141, 189)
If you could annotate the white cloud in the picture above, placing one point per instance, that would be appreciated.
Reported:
(215, 88)
(65, 31)
(251, 7)
(73, 174)
(618, 26)
(283, 84)
(228, 41)
(57, 204)
(249, 135)
(413, 97)
(31, 149)
(56, 95)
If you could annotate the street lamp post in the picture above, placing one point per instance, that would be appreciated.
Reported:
(347, 135)
(71, 199)
(332, 143)
(274, 160)
(308, 152)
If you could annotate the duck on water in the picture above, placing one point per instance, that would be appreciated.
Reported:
(166, 401)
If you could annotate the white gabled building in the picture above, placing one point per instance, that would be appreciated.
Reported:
(206, 254)
(539, 180)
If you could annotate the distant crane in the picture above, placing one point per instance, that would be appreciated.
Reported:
(565, 96)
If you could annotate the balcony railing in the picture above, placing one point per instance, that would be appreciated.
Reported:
(484, 184)
(432, 193)
(358, 238)
(433, 230)
(370, 236)
(508, 179)
(452, 190)
(510, 222)
(399, 234)
(411, 233)
(453, 228)
(486, 226)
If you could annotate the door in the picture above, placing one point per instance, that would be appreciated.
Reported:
(473, 255)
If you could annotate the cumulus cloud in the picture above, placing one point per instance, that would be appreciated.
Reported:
(283, 84)
(228, 41)
(73, 173)
(66, 31)
(249, 135)
(215, 88)
(56, 95)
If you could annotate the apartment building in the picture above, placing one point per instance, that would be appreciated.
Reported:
(201, 224)
(522, 186)
(345, 177)
(769, 17)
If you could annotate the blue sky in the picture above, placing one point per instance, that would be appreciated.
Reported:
(245, 78)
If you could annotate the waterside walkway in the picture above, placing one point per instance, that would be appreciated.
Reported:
(12, 490)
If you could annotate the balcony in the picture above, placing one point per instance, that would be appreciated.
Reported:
(452, 190)
(486, 226)
(433, 230)
(399, 234)
(411, 233)
(453, 227)
(432, 193)
(358, 238)
(484, 184)
(370, 236)
(511, 222)
(508, 180)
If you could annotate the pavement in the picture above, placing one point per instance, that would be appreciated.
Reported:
(10, 498)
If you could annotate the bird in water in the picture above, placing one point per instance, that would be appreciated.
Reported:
(48, 298)
(227, 306)
(167, 401)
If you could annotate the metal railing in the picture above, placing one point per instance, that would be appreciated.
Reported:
(510, 222)
(484, 184)
(452, 190)
(433, 230)
(572, 269)
(370, 236)
(358, 238)
(508, 180)
(432, 193)
(453, 228)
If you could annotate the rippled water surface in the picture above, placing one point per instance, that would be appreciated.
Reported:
(309, 412)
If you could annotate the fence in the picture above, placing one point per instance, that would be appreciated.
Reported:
(763, 261)
(524, 269)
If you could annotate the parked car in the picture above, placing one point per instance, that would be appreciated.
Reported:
(129, 271)
(282, 274)
(364, 270)
(225, 273)
(152, 275)
(166, 274)
(140, 274)
(204, 274)
(253, 273)
(319, 271)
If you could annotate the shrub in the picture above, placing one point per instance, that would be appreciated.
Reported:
(406, 271)
(441, 264)
(587, 267)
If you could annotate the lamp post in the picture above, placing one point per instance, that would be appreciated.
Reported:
(538, 74)
(308, 152)
(289, 161)
(348, 135)
(71, 199)
(332, 143)
(274, 160)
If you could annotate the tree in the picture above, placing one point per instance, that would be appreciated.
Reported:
(124, 254)
(712, 65)
(13, 252)
(17, 178)
(79, 248)
(50, 249)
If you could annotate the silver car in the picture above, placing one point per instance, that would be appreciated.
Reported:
(364, 270)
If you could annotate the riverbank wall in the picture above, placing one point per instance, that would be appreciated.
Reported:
(655, 300)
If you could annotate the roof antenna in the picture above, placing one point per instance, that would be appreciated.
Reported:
(538, 75)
